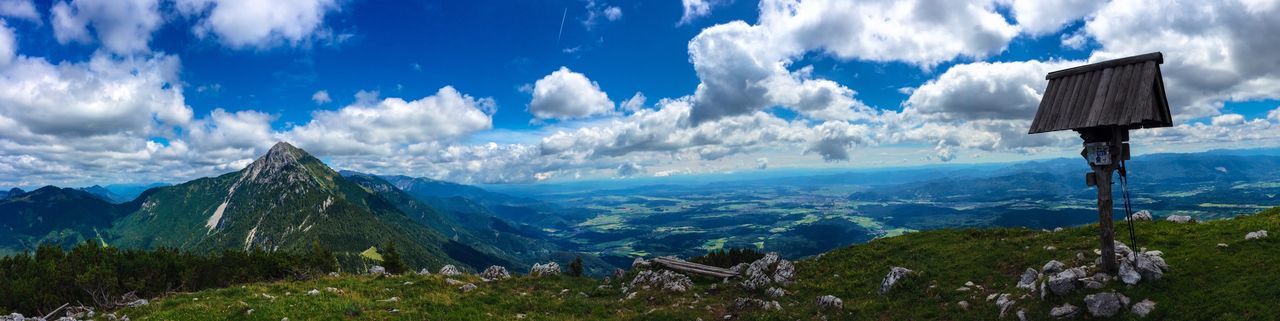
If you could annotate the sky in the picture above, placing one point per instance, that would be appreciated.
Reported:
(492, 92)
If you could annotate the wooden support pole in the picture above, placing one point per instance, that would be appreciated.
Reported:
(1105, 230)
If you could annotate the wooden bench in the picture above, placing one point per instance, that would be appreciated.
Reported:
(695, 268)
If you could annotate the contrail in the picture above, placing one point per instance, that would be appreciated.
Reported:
(558, 34)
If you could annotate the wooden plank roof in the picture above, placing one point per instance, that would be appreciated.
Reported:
(1127, 92)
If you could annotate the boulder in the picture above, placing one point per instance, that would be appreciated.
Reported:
(639, 263)
(467, 287)
(1255, 235)
(1143, 215)
(377, 270)
(1105, 305)
(424, 271)
(494, 273)
(1053, 266)
(313, 292)
(1028, 279)
(895, 274)
(830, 302)
(1141, 309)
(784, 272)
(1179, 218)
(1064, 282)
(1022, 315)
(453, 282)
(1004, 303)
(1128, 273)
(1151, 267)
(964, 305)
(450, 270)
(775, 292)
(664, 280)
(549, 269)
(1065, 311)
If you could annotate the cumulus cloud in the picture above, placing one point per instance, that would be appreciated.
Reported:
(629, 170)
(379, 127)
(982, 90)
(8, 44)
(565, 94)
(122, 26)
(1228, 120)
(1038, 17)
(21, 9)
(762, 163)
(635, 103)
(321, 97)
(1214, 51)
(259, 24)
(596, 10)
(694, 9)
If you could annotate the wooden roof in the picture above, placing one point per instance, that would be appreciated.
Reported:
(1127, 92)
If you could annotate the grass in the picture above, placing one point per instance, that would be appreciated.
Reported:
(1206, 282)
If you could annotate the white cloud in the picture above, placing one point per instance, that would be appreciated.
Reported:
(321, 97)
(613, 13)
(694, 9)
(982, 90)
(744, 68)
(565, 94)
(1214, 51)
(762, 163)
(629, 170)
(122, 26)
(1038, 17)
(1274, 115)
(636, 102)
(596, 10)
(384, 126)
(261, 24)
(833, 139)
(8, 44)
(21, 9)
(1228, 120)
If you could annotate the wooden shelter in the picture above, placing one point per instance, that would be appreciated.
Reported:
(1102, 102)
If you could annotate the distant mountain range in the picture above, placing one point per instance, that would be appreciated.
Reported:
(285, 201)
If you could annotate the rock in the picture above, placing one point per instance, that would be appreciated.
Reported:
(313, 292)
(895, 274)
(1022, 315)
(638, 263)
(1057, 229)
(1105, 305)
(377, 270)
(1050, 247)
(784, 272)
(1028, 279)
(1080, 256)
(775, 292)
(618, 274)
(969, 283)
(137, 303)
(1064, 282)
(1143, 308)
(450, 270)
(1065, 311)
(664, 280)
(741, 267)
(334, 274)
(1179, 218)
(467, 287)
(962, 289)
(1004, 303)
(1053, 266)
(1255, 235)
(424, 271)
(494, 273)
(1143, 215)
(452, 282)
(746, 304)
(964, 305)
(1128, 274)
(332, 290)
(1151, 267)
(392, 299)
(549, 269)
(830, 302)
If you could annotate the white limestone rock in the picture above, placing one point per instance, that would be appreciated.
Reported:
(895, 274)
(1064, 282)
(830, 302)
(1065, 311)
(377, 270)
(1179, 218)
(1143, 215)
(494, 273)
(450, 270)
(1255, 235)
(1141, 309)
(548, 269)
(1028, 279)
(1053, 266)
(1105, 305)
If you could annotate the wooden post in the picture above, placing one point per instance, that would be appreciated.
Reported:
(1105, 230)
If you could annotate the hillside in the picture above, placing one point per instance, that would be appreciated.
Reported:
(55, 215)
(285, 201)
(1205, 281)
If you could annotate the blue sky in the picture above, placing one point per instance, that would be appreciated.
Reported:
(528, 91)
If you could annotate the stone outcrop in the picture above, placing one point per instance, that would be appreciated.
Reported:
(450, 270)
(664, 280)
(1256, 235)
(467, 287)
(830, 302)
(548, 269)
(1143, 215)
(1105, 305)
(1064, 282)
(1053, 266)
(377, 270)
(895, 274)
(769, 271)
(1143, 308)
(1065, 311)
(494, 273)
(1179, 218)
(1028, 279)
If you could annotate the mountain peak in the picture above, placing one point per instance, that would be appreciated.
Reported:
(284, 147)
(283, 161)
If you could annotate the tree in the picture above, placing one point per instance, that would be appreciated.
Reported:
(575, 268)
(391, 260)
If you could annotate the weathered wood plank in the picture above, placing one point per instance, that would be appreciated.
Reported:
(1154, 56)
(690, 267)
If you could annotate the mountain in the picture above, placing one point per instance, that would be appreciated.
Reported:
(105, 194)
(471, 223)
(11, 192)
(128, 192)
(284, 201)
(56, 215)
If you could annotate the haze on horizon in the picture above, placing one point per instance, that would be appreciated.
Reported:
(137, 91)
